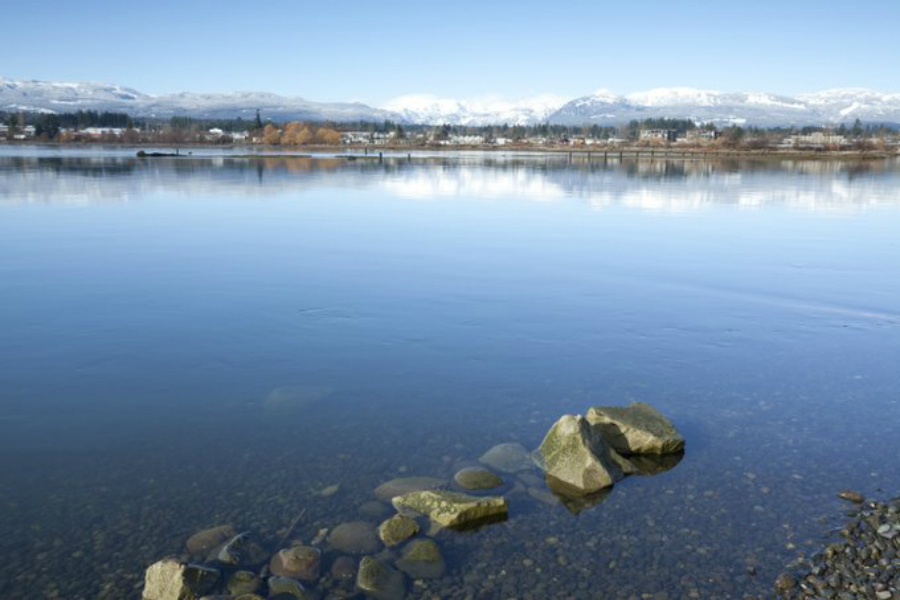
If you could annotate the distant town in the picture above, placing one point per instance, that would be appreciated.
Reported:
(87, 127)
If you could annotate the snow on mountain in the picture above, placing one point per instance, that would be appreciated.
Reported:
(754, 108)
(603, 107)
(432, 110)
(42, 96)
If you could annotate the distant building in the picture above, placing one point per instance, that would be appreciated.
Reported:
(101, 131)
(658, 135)
(816, 140)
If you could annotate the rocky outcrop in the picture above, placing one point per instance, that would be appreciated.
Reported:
(576, 455)
(170, 579)
(636, 429)
(453, 509)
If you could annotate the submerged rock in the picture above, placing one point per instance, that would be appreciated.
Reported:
(851, 496)
(243, 582)
(285, 586)
(343, 568)
(636, 429)
(206, 540)
(170, 579)
(403, 485)
(299, 562)
(397, 529)
(476, 478)
(574, 499)
(356, 537)
(453, 509)
(379, 580)
(239, 551)
(421, 559)
(509, 458)
(575, 454)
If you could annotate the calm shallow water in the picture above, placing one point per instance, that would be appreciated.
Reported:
(432, 308)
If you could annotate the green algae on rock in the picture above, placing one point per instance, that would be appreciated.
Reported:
(576, 455)
(397, 529)
(379, 580)
(636, 429)
(476, 478)
(421, 559)
(454, 509)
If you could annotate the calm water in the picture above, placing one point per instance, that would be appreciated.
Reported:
(423, 311)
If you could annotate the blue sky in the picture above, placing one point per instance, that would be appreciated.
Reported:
(376, 50)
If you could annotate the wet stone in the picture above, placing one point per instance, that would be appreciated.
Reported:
(380, 581)
(636, 429)
(170, 579)
(576, 456)
(508, 458)
(239, 551)
(453, 509)
(476, 478)
(299, 562)
(356, 537)
(397, 529)
(851, 496)
(243, 582)
(204, 541)
(421, 559)
(287, 587)
(343, 568)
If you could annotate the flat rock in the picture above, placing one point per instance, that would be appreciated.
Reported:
(576, 455)
(287, 587)
(636, 429)
(380, 581)
(421, 559)
(204, 541)
(453, 509)
(239, 551)
(397, 529)
(403, 485)
(476, 478)
(171, 579)
(299, 562)
(356, 537)
(851, 496)
(509, 458)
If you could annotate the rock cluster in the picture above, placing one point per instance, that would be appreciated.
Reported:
(583, 455)
(582, 458)
(864, 564)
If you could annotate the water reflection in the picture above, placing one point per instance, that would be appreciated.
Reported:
(647, 185)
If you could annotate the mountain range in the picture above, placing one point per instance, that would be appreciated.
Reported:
(602, 108)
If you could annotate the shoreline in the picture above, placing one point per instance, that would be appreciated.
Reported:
(619, 153)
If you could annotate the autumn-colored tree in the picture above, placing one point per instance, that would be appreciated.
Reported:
(328, 136)
(271, 135)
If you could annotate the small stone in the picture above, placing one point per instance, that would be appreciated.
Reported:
(239, 551)
(329, 491)
(357, 537)
(508, 458)
(379, 580)
(287, 587)
(421, 559)
(476, 478)
(397, 529)
(851, 496)
(170, 579)
(243, 582)
(374, 509)
(785, 582)
(343, 568)
(298, 562)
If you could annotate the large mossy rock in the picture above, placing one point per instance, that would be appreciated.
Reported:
(171, 579)
(636, 429)
(575, 454)
(377, 580)
(397, 529)
(453, 509)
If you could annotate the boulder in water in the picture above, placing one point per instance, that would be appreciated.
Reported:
(453, 509)
(636, 429)
(576, 455)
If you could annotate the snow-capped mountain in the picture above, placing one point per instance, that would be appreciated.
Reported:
(43, 96)
(603, 107)
(741, 108)
(432, 110)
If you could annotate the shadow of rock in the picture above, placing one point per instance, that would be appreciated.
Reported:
(574, 499)
(654, 464)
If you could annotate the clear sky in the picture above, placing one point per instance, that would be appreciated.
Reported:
(375, 50)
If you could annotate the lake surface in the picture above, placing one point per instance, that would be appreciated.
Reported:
(415, 312)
